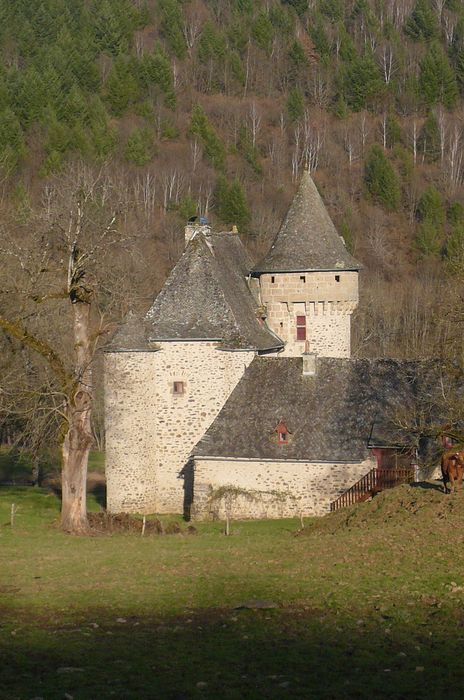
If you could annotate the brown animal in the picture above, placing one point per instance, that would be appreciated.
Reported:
(452, 469)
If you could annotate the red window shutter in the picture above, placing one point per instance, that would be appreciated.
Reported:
(301, 320)
(301, 333)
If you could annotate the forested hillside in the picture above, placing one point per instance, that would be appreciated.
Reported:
(215, 106)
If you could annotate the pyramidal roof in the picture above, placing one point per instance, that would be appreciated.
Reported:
(206, 297)
(307, 240)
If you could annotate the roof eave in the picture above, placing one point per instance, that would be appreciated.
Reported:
(256, 272)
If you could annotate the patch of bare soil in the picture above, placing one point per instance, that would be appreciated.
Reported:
(112, 523)
(402, 506)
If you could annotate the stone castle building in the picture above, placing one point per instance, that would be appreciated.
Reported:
(238, 384)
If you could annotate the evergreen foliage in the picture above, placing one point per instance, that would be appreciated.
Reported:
(171, 26)
(431, 213)
(437, 81)
(295, 104)
(422, 22)
(263, 31)
(381, 180)
(362, 82)
(231, 205)
(430, 207)
(393, 131)
(201, 127)
(428, 239)
(139, 148)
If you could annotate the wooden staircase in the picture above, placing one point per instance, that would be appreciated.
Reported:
(371, 483)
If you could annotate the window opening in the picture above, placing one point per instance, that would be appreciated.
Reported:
(337, 278)
(302, 278)
(178, 388)
(272, 280)
(301, 327)
(282, 433)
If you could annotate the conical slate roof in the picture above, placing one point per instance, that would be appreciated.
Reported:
(307, 240)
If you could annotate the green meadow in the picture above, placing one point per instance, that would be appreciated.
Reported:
(366, 603)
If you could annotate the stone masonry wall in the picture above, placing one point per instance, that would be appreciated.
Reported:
(326, 299)
(150, 430)
(286, 489)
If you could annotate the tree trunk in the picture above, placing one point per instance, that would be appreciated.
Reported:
(78, 439)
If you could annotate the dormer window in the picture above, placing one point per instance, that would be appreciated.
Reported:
(178, 388)
(301, 327)
(282, 433)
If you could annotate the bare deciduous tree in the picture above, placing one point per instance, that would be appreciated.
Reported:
(60, 284)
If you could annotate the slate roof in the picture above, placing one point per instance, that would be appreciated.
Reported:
(206, 297)
(332, 416)
(307, 240)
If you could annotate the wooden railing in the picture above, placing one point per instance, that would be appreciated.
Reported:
(371, 483)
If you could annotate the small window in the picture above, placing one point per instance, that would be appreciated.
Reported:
(178, 388)
(272, 280)
(337, 278)
(302, 278)
(283, 433)
(301, 327)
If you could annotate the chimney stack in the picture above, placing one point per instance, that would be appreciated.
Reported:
(196, 225)
(309, 362)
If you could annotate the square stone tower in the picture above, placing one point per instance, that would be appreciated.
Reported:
(308, 281)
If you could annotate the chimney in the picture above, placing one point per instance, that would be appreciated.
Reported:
(196, 225)
(309, 362)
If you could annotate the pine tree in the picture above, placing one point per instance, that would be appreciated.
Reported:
(211, 45)
(139, 147)
(393, 131)
(430, 207)
(155, 69)
(12, 147)
(231, 204)
(201, 127)
(362, 82)
(381, 180)
(333, 9)
(295, 104)
(171, 26)
(320, 39)
(428, 239)
(300, 6)
(437, 82)
(122, 87)
(422, 22)
(263, 31)
(456, 214)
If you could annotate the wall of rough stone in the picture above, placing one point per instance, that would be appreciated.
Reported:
(326, 303)
(150, 430)
(276, 489)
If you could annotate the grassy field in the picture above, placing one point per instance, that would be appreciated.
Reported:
(370, 605)
(16, 465)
